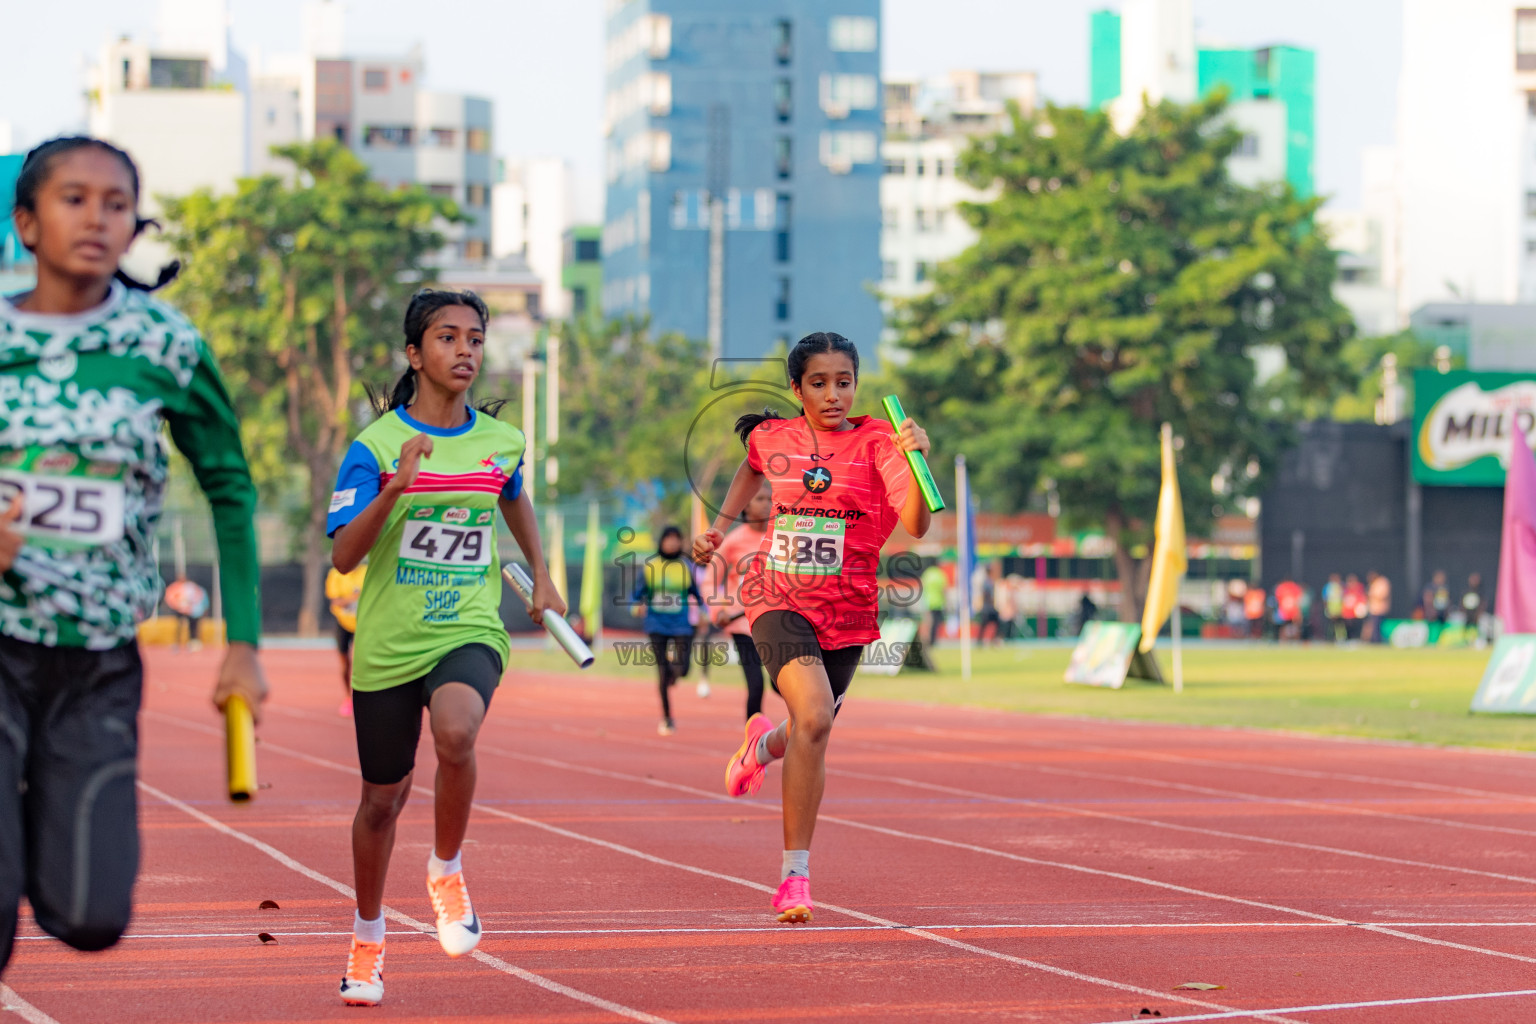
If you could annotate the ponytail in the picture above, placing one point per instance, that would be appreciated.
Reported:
(398, 396)
(167, 275)
(752, 420)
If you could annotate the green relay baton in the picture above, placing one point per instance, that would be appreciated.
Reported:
(919, 464)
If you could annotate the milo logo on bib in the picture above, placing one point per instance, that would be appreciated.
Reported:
(807, 545)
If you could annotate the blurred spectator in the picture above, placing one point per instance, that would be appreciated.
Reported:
(1437, 599)
(1472, 600)
(1378, 604)
(1288, 609)
(1254, 606)
(190, 603)
(935, 583)
(1236, 618)
(1307, 626)
(986, 604)
(1333, 607)
(1354, 606)
(1007, 608)
(1086, 610)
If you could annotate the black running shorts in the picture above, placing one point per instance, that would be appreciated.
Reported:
(388, 722)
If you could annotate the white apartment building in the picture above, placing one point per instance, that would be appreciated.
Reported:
(193, 115)
(928, 126)
(1466, 141)
(405, 134)
(183, 129)
(532, 207)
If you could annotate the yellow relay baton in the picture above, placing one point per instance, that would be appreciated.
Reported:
(240, 749)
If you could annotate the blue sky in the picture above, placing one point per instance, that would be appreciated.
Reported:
(542, 61)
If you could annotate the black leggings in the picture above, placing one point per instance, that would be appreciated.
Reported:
(69, 824)
(752, 668)
(670, 665)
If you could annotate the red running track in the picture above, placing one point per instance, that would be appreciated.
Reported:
(969, 865)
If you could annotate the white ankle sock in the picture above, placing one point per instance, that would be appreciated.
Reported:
(438, 868)
(796, 862)
(368, 931)
(764, 755)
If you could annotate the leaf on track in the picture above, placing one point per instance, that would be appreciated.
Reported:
(266, 937)
(1199, 986)
(1149, 1013)
(738, 821)
(269, 905)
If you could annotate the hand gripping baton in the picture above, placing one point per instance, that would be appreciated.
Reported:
(919, 464)
(558, 628)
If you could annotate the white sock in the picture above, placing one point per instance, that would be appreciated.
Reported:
(438, 868)
(368, 931)
(796, 862)
(764, 755)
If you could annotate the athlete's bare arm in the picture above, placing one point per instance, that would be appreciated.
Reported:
(744, 487)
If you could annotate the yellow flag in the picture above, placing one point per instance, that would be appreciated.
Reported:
(591, 603)
(1169, 557)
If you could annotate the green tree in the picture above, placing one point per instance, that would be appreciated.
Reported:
(1367, 358)
(299, 285)
(628, 398)
(1119, 282)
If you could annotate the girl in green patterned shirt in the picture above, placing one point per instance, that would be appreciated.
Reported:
(90, 368)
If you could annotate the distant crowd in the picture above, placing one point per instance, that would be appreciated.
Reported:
(1348, 609)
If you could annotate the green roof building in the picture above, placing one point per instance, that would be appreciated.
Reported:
(1272, 91)
(581, 270)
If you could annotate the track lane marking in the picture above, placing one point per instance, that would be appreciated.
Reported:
(720, 876)
(618, 1009)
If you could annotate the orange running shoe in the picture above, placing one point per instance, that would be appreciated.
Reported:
(458, 929)
(363, 984)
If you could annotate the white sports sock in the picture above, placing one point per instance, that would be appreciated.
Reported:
(796, 862)
(368, 931)
(764, 755)
(438, 868)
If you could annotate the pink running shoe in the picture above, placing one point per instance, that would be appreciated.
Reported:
(793, 900)
(743, 774)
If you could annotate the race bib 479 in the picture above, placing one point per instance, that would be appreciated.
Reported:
(447, 538)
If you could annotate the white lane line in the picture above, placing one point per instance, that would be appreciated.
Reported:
(1311, 805)
(718, 876)
(1038, 862)
(499, 964)
(1175, 827)
(777, 931)
(10, 1002)
(1271, 769)
(1367, 1004)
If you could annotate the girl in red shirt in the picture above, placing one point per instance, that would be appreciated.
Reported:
(840, 485)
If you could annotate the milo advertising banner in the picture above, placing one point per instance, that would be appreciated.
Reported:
(1462, 422)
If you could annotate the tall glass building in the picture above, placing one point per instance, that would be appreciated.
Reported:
(743, 169)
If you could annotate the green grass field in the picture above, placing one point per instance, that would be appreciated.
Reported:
(1416, 695)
